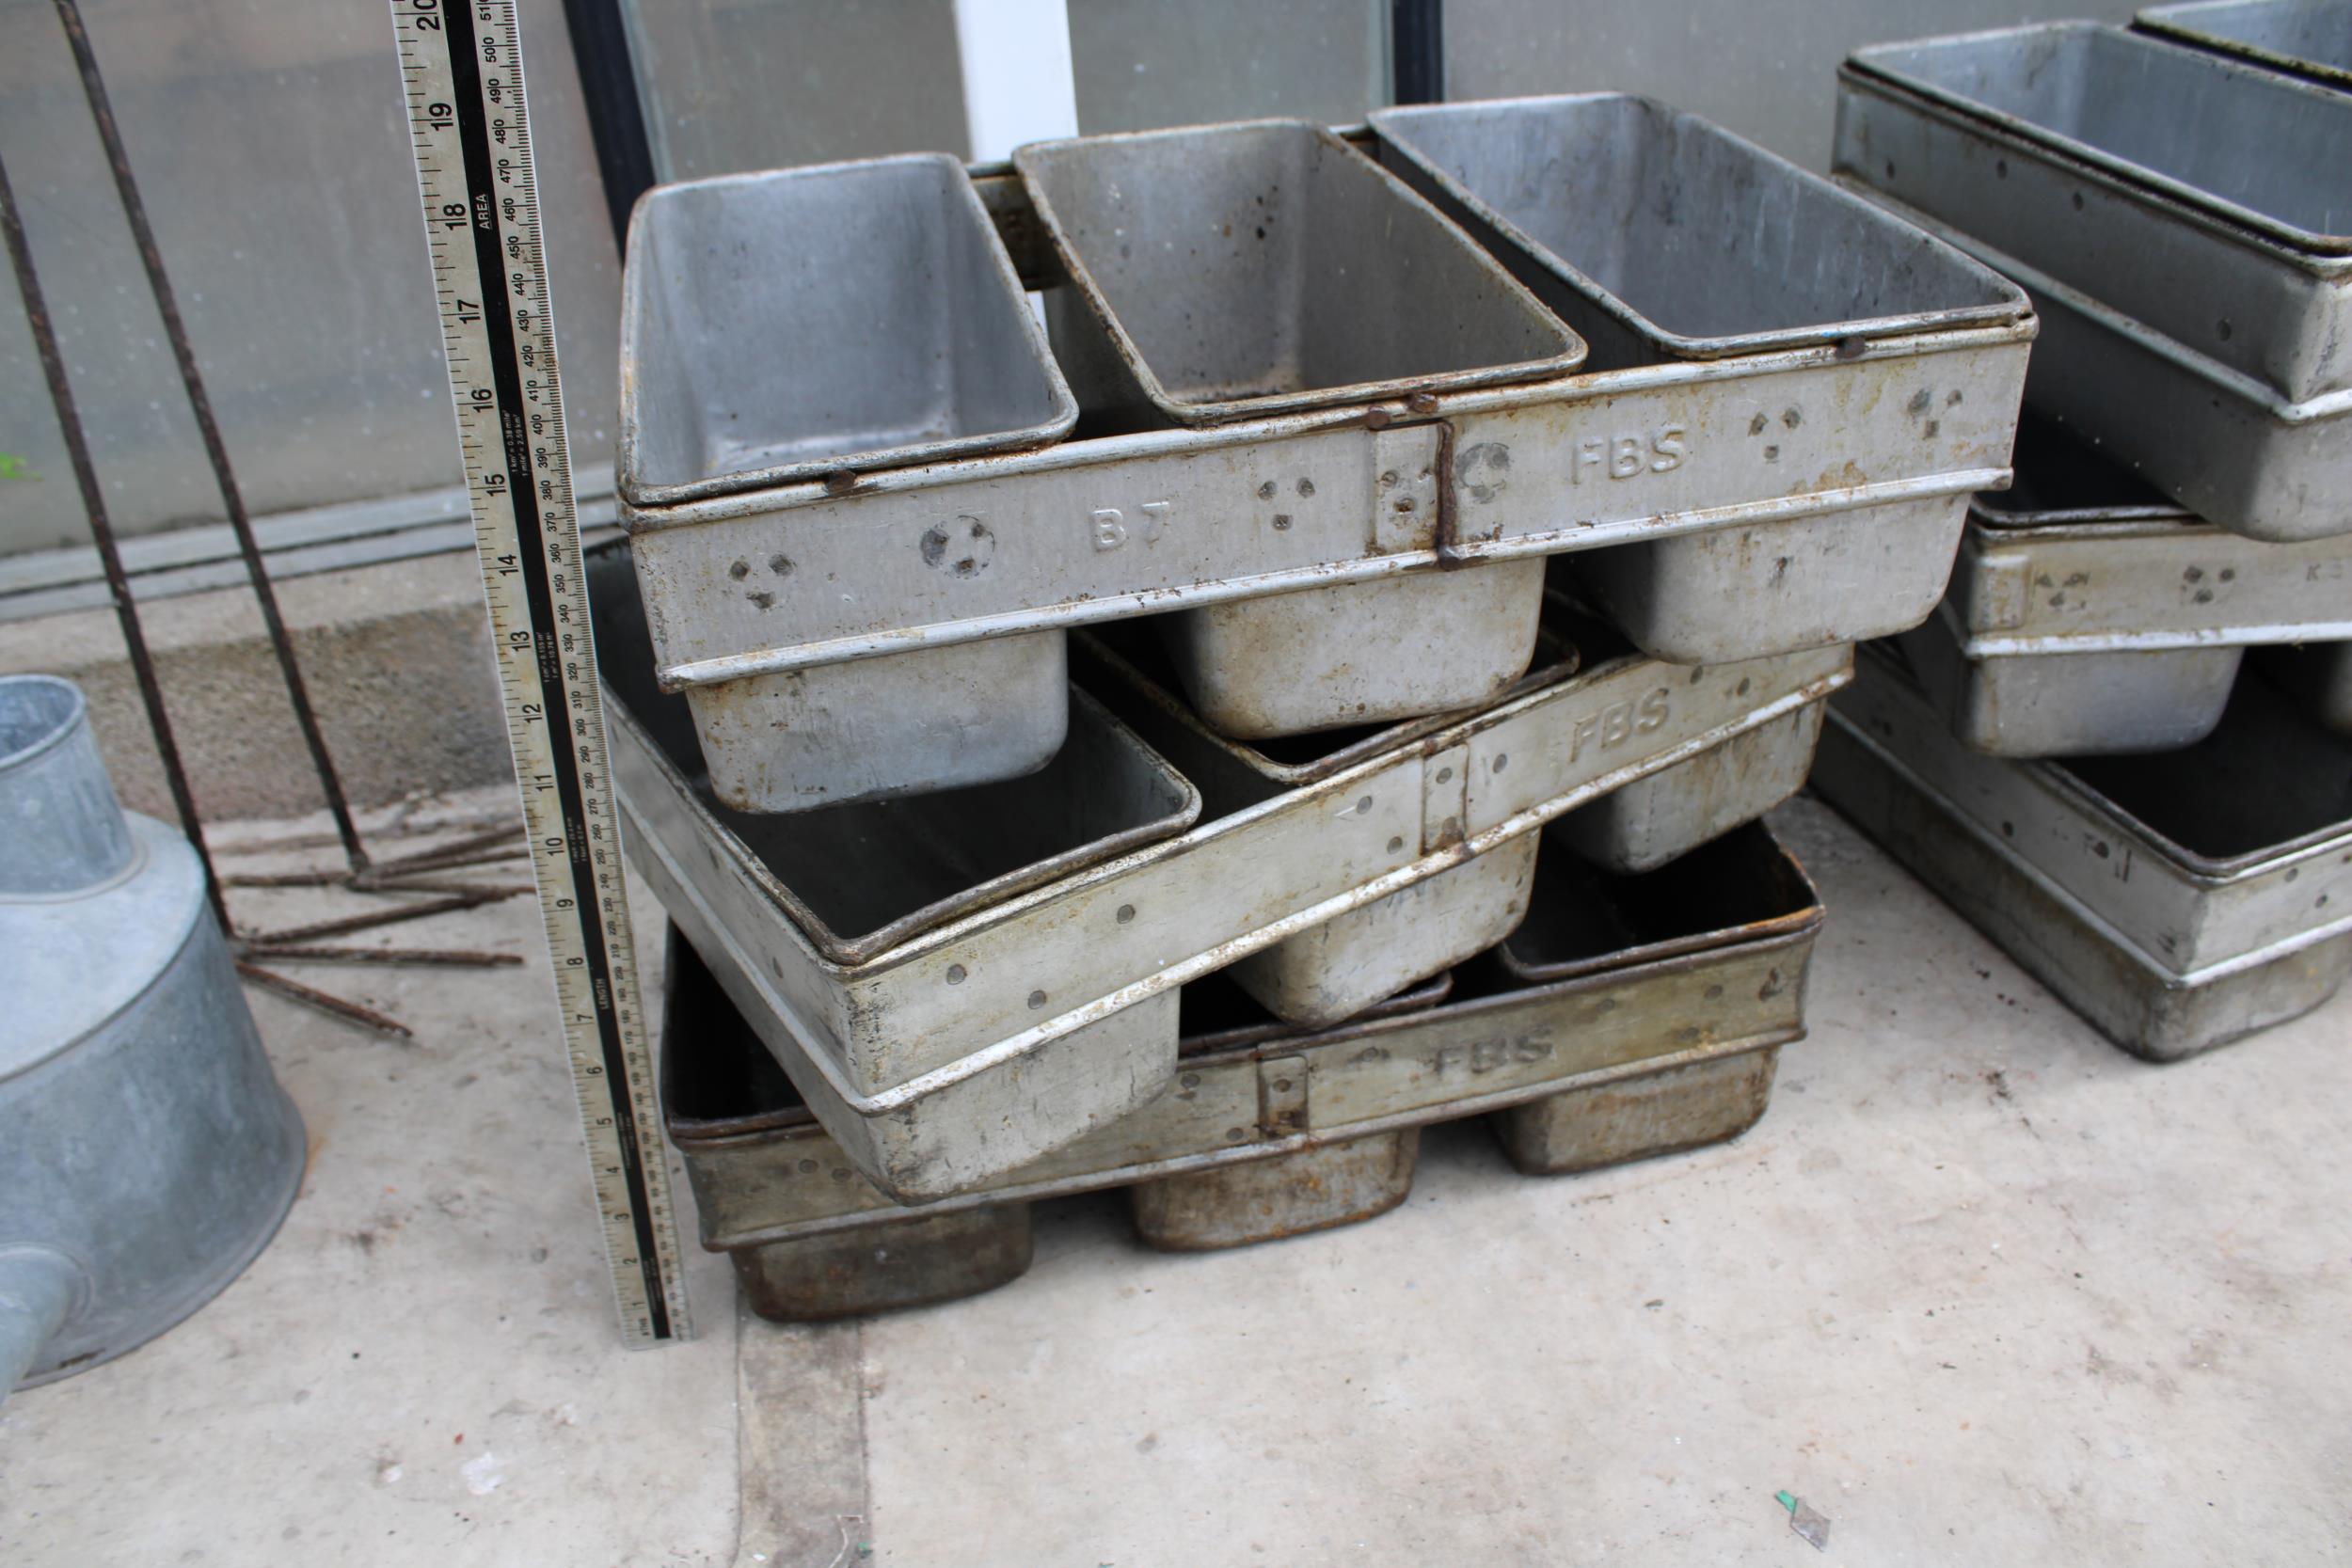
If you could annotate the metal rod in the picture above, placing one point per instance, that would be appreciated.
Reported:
(324, 1002)
(418, 885)
(457, 957)
(465, 851)
(259, 940)
(102, 535)
(191, 381)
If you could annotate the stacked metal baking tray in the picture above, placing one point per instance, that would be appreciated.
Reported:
(988, 699)
(2180, 219)
(2120, 747)
(1627, 1017)
(2178, 901)
(2089, 613)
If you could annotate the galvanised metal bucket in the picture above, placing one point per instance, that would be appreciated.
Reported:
(146, 1152)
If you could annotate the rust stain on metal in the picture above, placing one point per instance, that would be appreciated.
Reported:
(1450, 556)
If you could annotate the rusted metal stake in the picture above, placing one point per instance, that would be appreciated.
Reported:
(261, 941)
(491, 890)
(215, 449)
(319, 999)
(102, 535)
(384, 875)
(466, 958)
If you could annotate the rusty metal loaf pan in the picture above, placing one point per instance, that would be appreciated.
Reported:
(2311, 39)
(1657, 235)
(1225, 272)
(823, 321)
(812, 1240)
(2203, 198)
(2196, 865)
(1867, 768)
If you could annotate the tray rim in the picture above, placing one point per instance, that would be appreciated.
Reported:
(1195, 413)
(628, 482)
(1682, 345)
(2314, 251)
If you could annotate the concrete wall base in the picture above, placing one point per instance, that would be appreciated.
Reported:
(397, 661)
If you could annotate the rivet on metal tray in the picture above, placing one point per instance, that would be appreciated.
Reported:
(1396, 843)
(1037, 1000)
(740, 570)
(1744, 684)
(1377, 419)
(1126, 912)
(1403, 504)
(841, 1172)
(1850, 347)
(1190, 1081)
(955, 974)
(1306, 487)
(2292, 871)
(840, 482)
(1233, 1134)
(1364, 804)
(1281, 1085)
(1422, 403)
(1445, 775)
(1387, 478)
(1282, 519)
(1265, 491)
(1502, 760)
(807, 1166)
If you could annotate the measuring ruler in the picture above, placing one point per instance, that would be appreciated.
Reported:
(462, 65)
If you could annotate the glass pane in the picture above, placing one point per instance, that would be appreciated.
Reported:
(271, 151)
(1145, 63)
(734, 85)
(1767, 68)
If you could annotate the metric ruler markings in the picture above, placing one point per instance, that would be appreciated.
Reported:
(462, 69)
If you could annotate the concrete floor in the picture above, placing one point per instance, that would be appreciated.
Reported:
(1979, 1288)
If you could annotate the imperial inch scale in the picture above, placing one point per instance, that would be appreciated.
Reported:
(461, 63)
